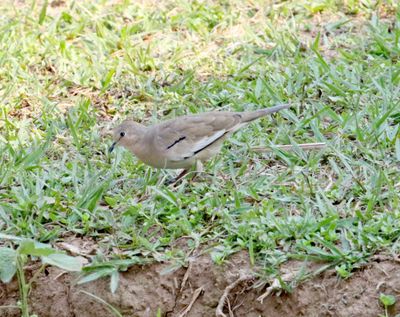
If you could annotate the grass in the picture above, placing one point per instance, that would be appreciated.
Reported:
(71, 72)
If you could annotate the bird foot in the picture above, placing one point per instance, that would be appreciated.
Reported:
(175, 180)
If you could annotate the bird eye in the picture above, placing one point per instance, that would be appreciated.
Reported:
(122, 134)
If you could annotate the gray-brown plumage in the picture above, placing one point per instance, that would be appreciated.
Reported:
(185, 141)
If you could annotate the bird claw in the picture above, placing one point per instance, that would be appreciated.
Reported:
(175, 180)
(170, 181)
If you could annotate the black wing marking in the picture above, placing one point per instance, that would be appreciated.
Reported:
(176, 142)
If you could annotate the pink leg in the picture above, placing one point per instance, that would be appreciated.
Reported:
(176, 179)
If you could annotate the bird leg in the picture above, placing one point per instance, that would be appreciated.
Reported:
(199, 169)
(173, 181)
(183, 173)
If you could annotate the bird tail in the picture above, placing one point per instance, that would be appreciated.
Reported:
(250, 116)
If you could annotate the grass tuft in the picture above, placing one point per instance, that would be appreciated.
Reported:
(71, 71)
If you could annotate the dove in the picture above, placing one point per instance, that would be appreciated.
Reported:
(186, 141)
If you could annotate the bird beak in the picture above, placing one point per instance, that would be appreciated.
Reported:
(112, 147)
(114, 144)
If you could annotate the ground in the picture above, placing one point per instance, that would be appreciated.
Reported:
(197, 289)
(72, 70)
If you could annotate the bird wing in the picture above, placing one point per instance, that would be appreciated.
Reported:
(180, 139)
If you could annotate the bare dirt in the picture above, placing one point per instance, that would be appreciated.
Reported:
(198, 289)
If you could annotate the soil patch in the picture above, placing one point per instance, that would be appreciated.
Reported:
(198, 290)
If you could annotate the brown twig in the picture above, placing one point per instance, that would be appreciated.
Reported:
(196, 294)
(186, 276)
(289, 147)
(219, 311)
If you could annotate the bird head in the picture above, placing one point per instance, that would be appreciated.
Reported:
(127, 133)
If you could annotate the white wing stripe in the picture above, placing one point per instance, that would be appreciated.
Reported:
(204, 142)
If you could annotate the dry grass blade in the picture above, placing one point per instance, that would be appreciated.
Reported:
(185, 277)
(196, 294)
(289, 147)
(111, 308)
